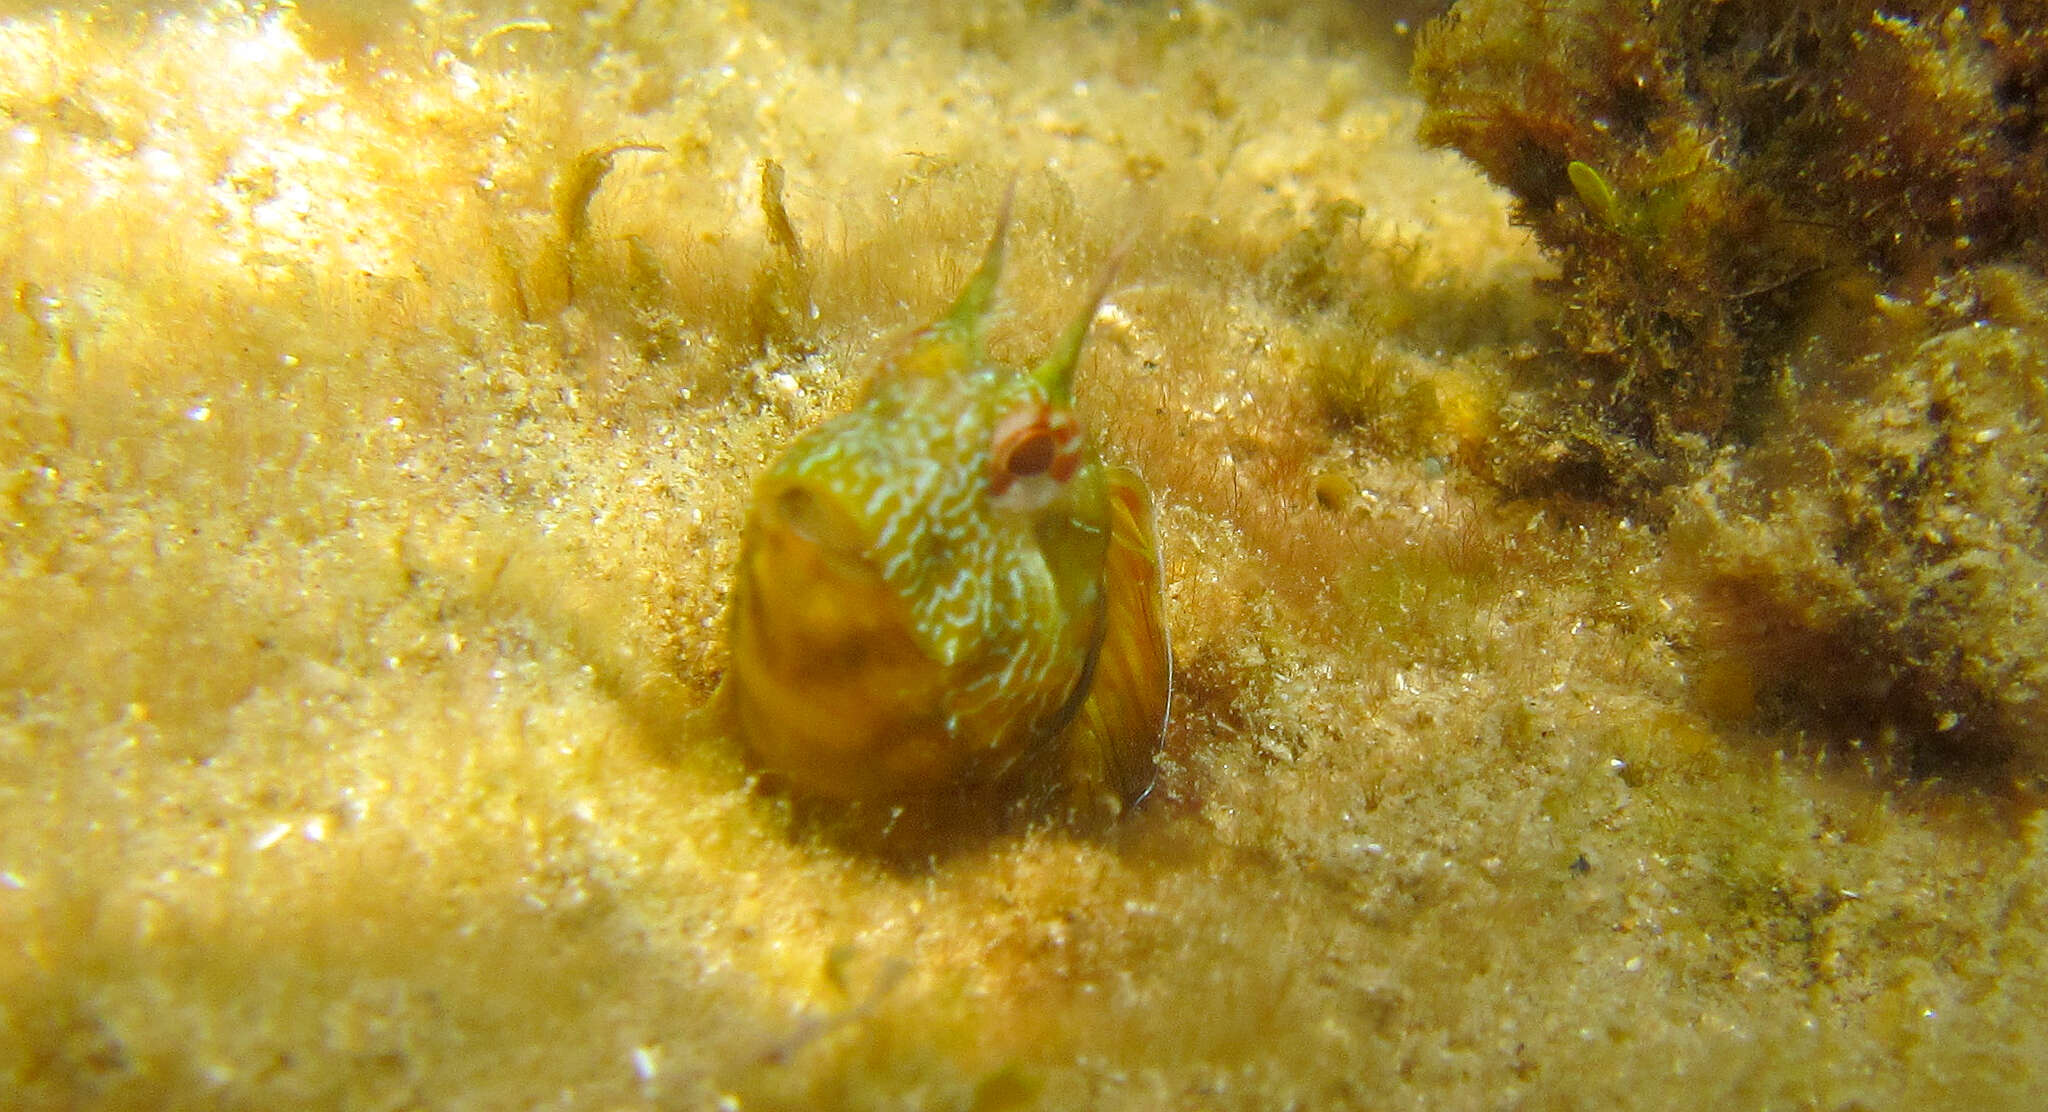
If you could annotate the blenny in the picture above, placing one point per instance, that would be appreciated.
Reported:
(946, 592)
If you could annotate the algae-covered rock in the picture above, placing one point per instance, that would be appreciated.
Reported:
(378, 412)
(1898, 529)
(1705, 172)
(1799, 247)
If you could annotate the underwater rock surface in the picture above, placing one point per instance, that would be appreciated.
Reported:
(381, 385)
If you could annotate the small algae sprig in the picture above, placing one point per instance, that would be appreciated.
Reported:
(944, 594)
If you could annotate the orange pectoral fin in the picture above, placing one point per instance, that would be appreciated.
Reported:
(1114, 736)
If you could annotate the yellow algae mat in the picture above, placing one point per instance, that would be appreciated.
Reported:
(383, 385)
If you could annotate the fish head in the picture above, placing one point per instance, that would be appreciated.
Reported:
(920, 591)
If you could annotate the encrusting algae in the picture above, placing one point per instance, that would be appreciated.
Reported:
(385, 388)
(946, 590)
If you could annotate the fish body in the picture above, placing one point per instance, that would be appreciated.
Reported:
(947, 590)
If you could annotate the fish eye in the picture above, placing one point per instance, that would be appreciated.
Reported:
(1029, 454)
(1029, 442)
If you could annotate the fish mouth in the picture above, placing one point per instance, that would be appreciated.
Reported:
(813, 602)
(832, 689)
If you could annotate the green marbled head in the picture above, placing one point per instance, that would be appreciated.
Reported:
(927, 582)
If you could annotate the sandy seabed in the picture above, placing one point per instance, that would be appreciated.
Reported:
(378, 419)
